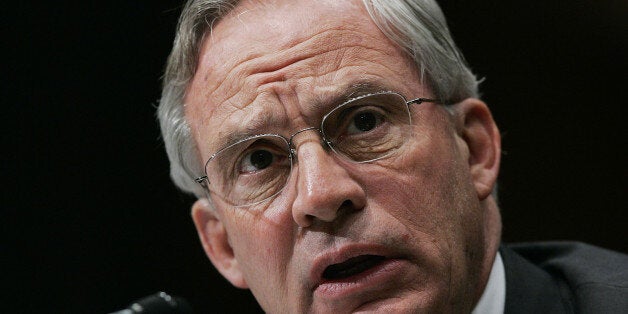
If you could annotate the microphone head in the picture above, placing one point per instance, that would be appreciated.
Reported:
(160, 303)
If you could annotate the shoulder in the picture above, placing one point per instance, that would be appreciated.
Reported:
(594, 279)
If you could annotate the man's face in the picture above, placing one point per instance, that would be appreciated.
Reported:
(405, 233)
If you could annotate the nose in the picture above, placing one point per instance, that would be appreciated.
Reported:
(325, 189)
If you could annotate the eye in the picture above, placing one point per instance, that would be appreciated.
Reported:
(260, 154)
(256, 160)
(364, 120)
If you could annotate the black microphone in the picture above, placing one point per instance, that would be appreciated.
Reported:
(158, 303)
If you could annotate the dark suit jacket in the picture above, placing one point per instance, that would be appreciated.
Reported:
(564, 277)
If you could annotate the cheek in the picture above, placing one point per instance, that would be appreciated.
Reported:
(429, 177)
(427, 198)
(427, 189)
(261, 248)
(416, 201)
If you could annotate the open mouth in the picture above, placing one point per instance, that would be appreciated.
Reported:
(352, 266)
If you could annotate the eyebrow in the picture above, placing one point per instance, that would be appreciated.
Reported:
(266, 118)
(249, 127)
(360, 89)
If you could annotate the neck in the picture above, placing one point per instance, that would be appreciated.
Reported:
(492, 238)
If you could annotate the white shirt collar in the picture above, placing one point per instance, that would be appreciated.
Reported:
(493, 298)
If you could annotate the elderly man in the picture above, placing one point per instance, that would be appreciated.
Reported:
(343, 163)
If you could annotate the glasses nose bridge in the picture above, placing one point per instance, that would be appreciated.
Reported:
(292, 146)
(291, 139)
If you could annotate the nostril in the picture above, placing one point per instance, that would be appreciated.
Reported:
(347, 207)
(347, 203)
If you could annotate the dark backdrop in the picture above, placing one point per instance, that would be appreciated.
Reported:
(91, 221)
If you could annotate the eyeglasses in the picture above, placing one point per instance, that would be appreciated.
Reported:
(363, 129)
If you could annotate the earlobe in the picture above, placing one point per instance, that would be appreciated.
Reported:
(481, 135)
(215, 241)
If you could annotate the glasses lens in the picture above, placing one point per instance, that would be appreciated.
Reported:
(250, 170)
(368, 128)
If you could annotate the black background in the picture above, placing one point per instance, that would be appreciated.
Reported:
(91, 222)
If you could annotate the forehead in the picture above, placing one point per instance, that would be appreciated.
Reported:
(255, 29)
(262, 62)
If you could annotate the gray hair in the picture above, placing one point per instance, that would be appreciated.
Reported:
(417, 26)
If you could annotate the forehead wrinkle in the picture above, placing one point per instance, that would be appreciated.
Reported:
(290, 50)
(241, 87)
(255, 68)
(257, 72)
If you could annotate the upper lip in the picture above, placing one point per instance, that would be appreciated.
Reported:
(342, 254)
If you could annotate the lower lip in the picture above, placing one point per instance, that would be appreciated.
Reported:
(388, 271)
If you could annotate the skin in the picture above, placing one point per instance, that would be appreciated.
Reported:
(278, 68)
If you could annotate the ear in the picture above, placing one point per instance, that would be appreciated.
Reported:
(480, 133)
(215, 240)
